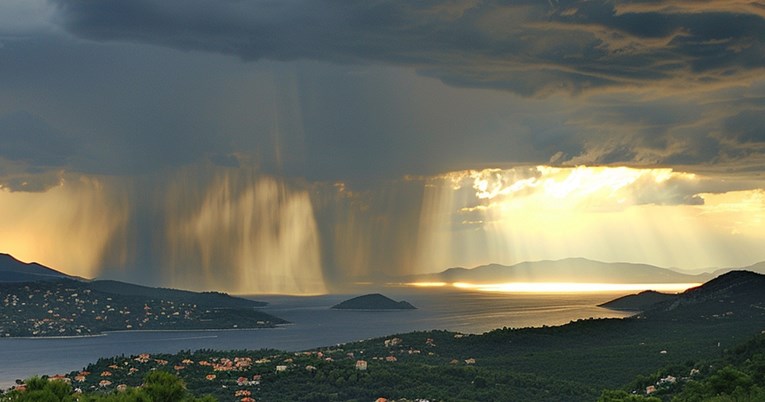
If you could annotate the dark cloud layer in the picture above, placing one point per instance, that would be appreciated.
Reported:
(31, 152)
(327, 91)
(30, 140)
(529, 47)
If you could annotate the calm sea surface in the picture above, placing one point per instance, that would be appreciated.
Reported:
(314, 324)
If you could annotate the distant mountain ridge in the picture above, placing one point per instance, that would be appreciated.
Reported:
(579, 270)
(756, 267)
(13, 270)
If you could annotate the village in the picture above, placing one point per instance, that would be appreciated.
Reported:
(70, 308)
(245, 376)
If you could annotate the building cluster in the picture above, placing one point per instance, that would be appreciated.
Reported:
(669, 381)
(66, 308)
(238, 376)
(241, 375)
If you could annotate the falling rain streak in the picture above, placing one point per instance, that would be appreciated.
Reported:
(246, 234)
(232, 230)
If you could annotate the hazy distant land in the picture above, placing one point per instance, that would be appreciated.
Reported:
(576, 270)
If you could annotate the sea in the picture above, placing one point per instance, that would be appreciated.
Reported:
(312, 324)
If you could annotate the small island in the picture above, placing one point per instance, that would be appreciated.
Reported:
(373, 301)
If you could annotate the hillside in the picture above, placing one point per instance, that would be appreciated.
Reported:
(67, 307)
(215, 299)
(373, 301)
(13, 270)
(736, 375)
(579, 270)
(638, 302)
(741, 286)
(740, 293)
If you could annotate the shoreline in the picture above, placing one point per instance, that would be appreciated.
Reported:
(106, 333)
(54, 337)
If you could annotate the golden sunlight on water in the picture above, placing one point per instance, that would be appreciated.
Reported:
(561, 287)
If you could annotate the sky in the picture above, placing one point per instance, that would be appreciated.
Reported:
(285, 146)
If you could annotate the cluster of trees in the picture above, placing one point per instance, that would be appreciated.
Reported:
(737, 376)
(419, 381)
(159, 386)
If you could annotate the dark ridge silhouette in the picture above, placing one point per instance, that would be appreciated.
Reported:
(13, 270)
(639, 301)
(742, 287)
(216, 299)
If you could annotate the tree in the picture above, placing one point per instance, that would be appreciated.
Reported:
(162, 386)
(727, 380)
(40, 389)
(610, 395)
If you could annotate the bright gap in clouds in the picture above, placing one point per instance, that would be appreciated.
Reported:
(613, 214)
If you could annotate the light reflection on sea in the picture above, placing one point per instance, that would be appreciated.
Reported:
(314, 324)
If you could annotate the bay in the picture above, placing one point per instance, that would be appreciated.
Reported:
(313, 324)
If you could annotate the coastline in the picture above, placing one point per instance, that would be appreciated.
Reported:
(55, 337)
(105, 333)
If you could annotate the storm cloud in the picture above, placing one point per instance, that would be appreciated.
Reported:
(528, 47)
(353, 91)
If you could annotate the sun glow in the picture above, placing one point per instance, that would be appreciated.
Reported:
(656, 216)
(427, 284)
(69, 227)
(560, 287)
